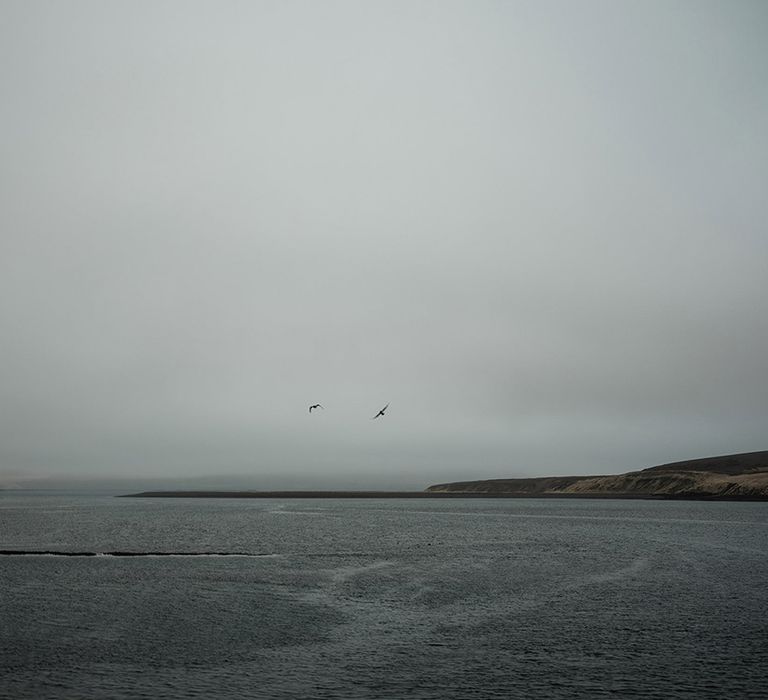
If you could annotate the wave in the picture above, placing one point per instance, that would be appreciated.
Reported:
(346, 573)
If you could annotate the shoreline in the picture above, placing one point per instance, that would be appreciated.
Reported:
(435, 494)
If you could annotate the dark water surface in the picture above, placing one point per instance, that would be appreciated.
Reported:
(383, 599)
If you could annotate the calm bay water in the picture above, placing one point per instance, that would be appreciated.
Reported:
(383, 599)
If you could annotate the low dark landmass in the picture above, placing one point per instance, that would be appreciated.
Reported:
(332, 494)
(437, 495)
(740, 477)
(737, 477)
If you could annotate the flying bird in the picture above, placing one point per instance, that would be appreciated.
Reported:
(315, 405)
(381, 412)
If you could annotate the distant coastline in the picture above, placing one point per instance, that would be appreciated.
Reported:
(435, 495)
(345, 494)
(739, 477)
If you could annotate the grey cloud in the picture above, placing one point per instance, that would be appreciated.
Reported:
(537, 229)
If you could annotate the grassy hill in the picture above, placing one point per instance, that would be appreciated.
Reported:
(739, 476)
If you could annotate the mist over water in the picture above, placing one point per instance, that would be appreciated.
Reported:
(382, 599)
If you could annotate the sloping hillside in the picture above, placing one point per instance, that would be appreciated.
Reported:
(729, 476)
(726, 464)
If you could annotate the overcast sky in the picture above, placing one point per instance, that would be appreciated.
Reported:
(537, 229)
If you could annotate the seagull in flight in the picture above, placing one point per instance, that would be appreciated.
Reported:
(315, 405)
(381, 412)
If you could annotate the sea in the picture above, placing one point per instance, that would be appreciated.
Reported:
(455, 598)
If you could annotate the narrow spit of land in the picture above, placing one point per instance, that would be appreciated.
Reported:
(335, 494)
(437, 494)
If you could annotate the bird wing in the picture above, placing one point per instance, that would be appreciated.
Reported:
(381, 412)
